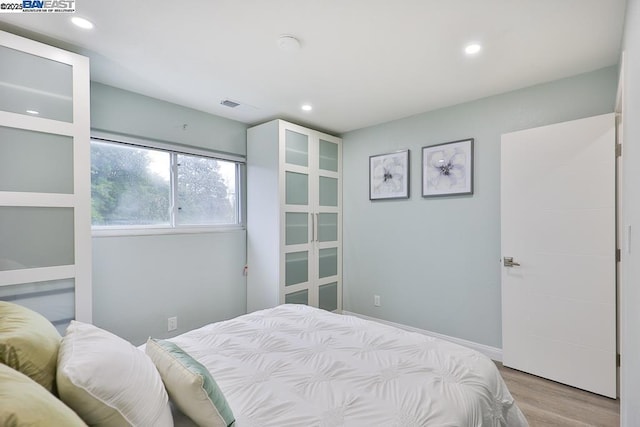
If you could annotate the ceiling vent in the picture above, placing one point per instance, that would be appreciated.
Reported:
(229, 103)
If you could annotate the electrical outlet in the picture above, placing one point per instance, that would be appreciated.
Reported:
(376, 300)
(172, 324)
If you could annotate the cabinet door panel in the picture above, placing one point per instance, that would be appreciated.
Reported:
(36, 237)
(35, 161)
(53, 299)
(296, 228)
(328, 296)
(327, 227)
(297, 188)
(296, 148)
(300, 297)
(328, 191)
(35, 85)
(296, 268)
(327, 262)
(328, 159)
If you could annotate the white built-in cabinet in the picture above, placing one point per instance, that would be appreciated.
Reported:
(294, 217)
(45, 183)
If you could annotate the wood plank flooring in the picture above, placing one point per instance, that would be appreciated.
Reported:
(547, 403)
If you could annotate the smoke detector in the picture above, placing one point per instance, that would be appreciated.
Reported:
(288, 43)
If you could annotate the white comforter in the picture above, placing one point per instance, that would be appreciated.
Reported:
(294, 365)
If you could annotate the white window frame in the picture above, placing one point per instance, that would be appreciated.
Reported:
(173, 227)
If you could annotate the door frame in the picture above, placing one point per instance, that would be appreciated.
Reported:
(621, 239)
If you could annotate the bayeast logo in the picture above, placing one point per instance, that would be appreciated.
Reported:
(48, 6)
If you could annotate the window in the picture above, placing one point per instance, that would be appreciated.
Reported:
(206, 191)
(134, 186)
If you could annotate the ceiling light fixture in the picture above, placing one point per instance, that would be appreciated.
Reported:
(472, 49)
(34, 112)
(82, 23)
(288, 43)
(307, 107)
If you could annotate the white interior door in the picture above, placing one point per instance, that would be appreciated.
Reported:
(558, 224)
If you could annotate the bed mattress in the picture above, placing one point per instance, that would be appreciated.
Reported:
(295, 365)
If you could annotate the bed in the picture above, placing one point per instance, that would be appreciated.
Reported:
(291, 365)
(295, 365)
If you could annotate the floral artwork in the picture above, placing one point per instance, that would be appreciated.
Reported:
(389, 176)
(447, 169)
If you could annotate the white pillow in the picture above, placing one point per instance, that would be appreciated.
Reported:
(190, 385)
(108, 381)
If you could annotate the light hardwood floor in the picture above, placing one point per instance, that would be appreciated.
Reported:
(547, 403)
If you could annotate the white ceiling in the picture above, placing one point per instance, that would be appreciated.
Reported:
(362, 62)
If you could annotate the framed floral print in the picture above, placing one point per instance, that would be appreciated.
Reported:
(389, 176)
(447, 169)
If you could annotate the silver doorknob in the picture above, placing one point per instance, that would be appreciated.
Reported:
(508, 262)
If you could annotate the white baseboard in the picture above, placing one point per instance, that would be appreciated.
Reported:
(493, 353)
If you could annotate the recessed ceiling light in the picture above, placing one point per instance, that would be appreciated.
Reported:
(82, 23)
(472, 49)
(34, 112)
(307, 107)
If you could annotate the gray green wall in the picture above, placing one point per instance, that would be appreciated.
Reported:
(436, 262)
(140, 281)
(121, 111)
(630, 200)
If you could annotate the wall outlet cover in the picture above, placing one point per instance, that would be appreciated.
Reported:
(172, 324)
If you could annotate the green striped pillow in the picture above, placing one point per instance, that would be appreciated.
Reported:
(190, 385)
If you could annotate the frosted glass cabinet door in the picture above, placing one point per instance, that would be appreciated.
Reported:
(297, 188)
(296, 228)
(328, 262)
(35, 161)
(328, 159)
(296, 148)
(327, 227)
(34, 237)
(328, 191)
(328, 296)
(45, 168)
(36, 86)
(300, 297)
(53, 299)
(296, 268)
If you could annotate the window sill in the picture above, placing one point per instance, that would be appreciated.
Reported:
(152, 231)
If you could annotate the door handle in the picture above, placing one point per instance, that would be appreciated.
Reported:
(313, 228)
(508, 262)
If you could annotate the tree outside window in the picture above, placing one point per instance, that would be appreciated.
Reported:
(132, 186)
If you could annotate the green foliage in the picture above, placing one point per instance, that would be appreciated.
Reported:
(202, 193)
(124, 190)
